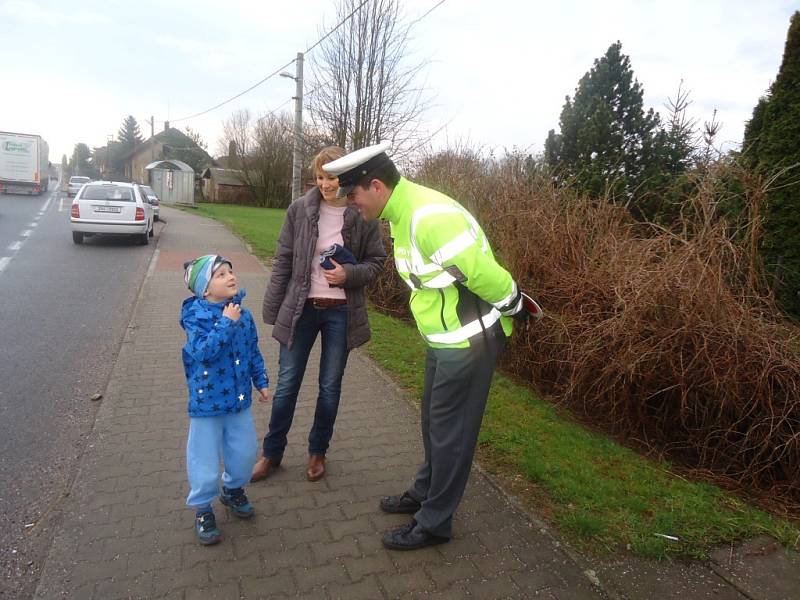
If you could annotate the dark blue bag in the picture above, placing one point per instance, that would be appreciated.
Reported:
(337, 252)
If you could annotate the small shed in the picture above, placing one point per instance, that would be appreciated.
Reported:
(226, 186)
(172, 180)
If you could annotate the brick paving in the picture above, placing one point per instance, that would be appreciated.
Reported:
(127, 534)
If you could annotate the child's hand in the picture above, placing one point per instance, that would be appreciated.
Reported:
(263, 395)
(336, 275)
(232, 311)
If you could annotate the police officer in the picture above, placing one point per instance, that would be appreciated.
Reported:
(462, 301)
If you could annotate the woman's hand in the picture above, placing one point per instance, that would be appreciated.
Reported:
(335, 276)
(263, 395)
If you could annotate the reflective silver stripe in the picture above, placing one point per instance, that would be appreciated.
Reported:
(442, 280)
(467, 331)
(505, 301)
(404, 265)
(514, 309)
(454, 247)
(427, 269)
(433, 209)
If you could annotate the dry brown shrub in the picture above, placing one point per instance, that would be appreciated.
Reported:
(665, 338)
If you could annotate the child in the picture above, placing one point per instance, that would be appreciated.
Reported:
(220, 358)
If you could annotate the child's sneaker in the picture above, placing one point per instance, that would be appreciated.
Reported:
(236, 500)
(205, 526)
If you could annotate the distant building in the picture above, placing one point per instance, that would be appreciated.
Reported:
(226, 186)
(168, 144)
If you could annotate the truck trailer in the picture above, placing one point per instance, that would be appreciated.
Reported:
(24, 163)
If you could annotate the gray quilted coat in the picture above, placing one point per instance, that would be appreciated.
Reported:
(287, 290)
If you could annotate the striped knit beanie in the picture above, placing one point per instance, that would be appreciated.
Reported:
(197, 273)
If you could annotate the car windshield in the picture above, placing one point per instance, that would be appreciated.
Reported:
(78, 179)
(107, 192)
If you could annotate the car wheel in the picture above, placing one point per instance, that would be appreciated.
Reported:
(77, 237)
(152, 230)
(155, 218)
(143, 238)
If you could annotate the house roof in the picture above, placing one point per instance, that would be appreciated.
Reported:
(225, 176)
(166, 163)
(171, 136)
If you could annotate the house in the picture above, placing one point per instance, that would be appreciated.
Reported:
(226, 186)
(168, 144)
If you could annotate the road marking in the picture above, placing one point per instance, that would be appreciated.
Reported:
(14, 247)
(4, 260)
(26, 233)
(46, 204)
(34, 224)
(60, 205)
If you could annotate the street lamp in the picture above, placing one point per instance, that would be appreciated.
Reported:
(298, 124)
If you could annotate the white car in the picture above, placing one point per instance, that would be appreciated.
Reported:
(111, 207)
(75, 184)
(153, 199)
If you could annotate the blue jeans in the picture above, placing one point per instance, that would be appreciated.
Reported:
(332, 324)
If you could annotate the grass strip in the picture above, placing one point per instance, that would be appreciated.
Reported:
(258, 226)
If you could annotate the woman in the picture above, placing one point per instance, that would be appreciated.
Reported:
(303, 300)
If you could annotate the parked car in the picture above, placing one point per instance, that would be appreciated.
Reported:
(111, 207)
(75, 184)
(153, 199)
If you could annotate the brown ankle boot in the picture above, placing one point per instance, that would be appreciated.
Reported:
(316, 467)
(262, 468)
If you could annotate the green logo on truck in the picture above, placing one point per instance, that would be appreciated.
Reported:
(16, 147)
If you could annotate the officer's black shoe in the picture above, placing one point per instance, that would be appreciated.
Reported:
(411, 538)
(402, 504)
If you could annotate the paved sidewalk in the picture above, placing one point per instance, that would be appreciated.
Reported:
(127, 533)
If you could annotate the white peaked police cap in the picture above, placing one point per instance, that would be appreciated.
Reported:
(351, 168)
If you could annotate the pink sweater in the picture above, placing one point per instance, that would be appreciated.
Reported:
(331, 219)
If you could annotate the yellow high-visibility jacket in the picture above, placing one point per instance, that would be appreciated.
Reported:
(440, 251)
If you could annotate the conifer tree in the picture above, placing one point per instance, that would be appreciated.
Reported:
(607, 141)
(772, 146)
(129, 134)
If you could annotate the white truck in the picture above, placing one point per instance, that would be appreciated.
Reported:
(24, 163)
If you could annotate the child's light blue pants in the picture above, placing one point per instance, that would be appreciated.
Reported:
(227, 438)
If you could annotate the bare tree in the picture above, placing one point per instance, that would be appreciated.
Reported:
(236, 129)
(270, 163)
(363, 89)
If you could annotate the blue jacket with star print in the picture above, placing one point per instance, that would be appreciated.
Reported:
(221, 358)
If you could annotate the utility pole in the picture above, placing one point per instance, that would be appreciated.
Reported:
(152, 141)
(298, 129)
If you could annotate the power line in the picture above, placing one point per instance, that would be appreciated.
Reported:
(232, 98)
(437, 5)
(279, 69)
(275, 72)
(342, 22)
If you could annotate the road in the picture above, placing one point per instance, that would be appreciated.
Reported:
(63, 311)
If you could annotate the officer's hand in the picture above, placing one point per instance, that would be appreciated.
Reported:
(263, 395)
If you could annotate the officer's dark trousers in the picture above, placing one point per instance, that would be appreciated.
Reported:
(457, 383)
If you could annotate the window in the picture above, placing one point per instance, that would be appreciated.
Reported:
(116, 193)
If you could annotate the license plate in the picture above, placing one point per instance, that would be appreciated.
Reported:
(107, 209)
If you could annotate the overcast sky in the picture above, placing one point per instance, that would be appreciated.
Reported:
(498, 70)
